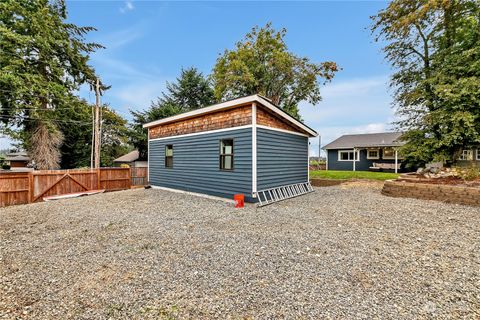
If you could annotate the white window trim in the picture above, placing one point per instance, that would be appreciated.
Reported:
(478, 155)
(373, 158)
(357, 158)
(388, 158)
(461, 158)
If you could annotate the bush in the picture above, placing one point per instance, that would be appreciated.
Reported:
(470, 173)
(5, 166)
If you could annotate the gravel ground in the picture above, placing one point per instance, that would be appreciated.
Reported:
(340, 252)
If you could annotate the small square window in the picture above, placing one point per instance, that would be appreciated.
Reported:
(226, 154)
(169, 156)
(373, 154)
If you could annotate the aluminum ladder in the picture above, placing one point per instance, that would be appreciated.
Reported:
(269, 196)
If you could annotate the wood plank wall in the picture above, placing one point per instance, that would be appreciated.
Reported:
(28, 187)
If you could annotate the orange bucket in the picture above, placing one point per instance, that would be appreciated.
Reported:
(239, 200)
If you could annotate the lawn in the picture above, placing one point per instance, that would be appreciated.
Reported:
(333, 174)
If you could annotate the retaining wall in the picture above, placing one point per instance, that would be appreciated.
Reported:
(445, 193)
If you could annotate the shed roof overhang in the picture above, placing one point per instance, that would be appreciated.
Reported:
(234, 103)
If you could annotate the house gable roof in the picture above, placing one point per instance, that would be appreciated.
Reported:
(383, 139)
(129, 157)
(233, 103)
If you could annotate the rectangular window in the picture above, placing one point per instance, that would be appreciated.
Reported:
(478, 154)
(388, 153)
(467, 155)
(348, 155)
(169, 156)
(226, 154)
(373, 154)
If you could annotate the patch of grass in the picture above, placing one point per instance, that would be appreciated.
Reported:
(333, 174)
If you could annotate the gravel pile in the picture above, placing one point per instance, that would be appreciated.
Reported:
(341, 252)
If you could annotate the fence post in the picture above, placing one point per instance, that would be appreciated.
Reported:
(98, 179)
(129, 185)
(31, 187)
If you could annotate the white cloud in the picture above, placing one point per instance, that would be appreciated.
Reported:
(128, 6)
(351, 106)
(120, 38)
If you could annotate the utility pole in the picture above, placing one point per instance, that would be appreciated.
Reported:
(97, 124)
(319, 146)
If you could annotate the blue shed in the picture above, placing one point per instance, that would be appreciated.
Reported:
(240, 146)
(365, 152)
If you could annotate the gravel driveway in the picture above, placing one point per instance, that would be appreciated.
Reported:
(341, 252)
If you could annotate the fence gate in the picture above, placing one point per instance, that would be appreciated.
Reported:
(33, 186)
(56, 182)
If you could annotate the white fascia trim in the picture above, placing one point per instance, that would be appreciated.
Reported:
(233, 103)
(285, 115)
(201, 195)
(308, 159)
(200, 111)
(202, 132)
(254, 150)
(148, 156)
(282, 130)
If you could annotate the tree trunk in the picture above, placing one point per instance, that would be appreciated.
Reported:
(45, 147)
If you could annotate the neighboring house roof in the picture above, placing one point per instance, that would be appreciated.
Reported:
(383, 139)
(15, 154)
(17, 158)
(129, 157)
(232, 103)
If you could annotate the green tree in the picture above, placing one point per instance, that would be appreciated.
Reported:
(77, 146)
(190, 91)
(435, 50)
(261, 63)
(43, 61)
(115, 135)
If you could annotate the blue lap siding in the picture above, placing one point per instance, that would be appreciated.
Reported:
(362, 165)
(282, 158)
(196, 164)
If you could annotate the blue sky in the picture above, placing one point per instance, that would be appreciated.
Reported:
(148, 42)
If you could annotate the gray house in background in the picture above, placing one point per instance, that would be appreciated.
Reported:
(365, 152)
(131, 159)
(240, 146)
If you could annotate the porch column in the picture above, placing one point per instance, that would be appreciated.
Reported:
(396, 160)
(354, 158)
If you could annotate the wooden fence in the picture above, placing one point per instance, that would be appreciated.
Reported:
(139, 176)
(29, 187)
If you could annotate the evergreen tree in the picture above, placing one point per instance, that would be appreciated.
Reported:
(43, 61)
(190, 91)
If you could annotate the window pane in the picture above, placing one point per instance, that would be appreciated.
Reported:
(389, 153)
(344, 155)
(227, 163)
(169, 162)
(227, 146)
(169, 150)
(350, 155)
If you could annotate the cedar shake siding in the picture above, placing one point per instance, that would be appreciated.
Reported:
(196, 164)
(234, 117)
(268, 119)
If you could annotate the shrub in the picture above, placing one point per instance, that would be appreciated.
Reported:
(470, 173)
